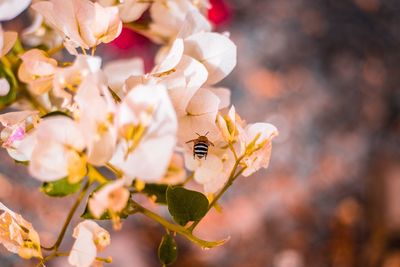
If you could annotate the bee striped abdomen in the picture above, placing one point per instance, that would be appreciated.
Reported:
(200, 149)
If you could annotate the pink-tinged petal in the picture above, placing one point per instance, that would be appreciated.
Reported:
(22, 150)
(9, 9)
(209, 169)
(113, 197)
(189, 76)
(150, 159)
(50, 162)
(194, 22)
(203, 102)
(12, 118)
(61, 16)
(219, 61)
(73, 75)
(171, 58)
(18, 235)
(100, 237)
(264, 132)
(17, 135)
(167, 19)
(200, 117)
(37, 70)
(62, 130)
(212, 173)
(224, 96)
(118, 71)
(190, 125)
(131, 10)
(114, 26)
(4, 87)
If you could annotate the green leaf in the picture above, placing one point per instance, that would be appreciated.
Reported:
(60, 188)
(128, 210)
(167, 251)
(186, 205)
(157, 190)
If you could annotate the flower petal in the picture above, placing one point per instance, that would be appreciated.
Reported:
(219, 61)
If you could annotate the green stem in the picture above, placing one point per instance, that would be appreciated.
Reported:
(69, 218)
(177, 228)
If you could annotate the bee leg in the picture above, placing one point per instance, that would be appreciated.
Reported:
(194, 155)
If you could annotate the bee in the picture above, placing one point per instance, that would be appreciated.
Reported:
(200, 147)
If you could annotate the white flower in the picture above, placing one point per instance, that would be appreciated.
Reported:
(147, 128)
(37, 70)
(199, 116)
(18, 235)
(113, 197)
(81, 22)
(67, 80)
(216, 51)
(183, 83)
(256, 142)
(16, 124)
(7, 40)
(95, 115)
(9, 9)
(129, 10)
(57, 151)
(214, 171)
(90, 238)
(118, 71)
(168, 17)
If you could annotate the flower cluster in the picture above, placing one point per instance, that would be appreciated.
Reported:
(74, 118)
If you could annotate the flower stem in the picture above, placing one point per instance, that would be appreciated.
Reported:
(176, 228)
(69, 218)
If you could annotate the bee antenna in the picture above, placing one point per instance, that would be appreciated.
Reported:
(197, 134)
(206, 133)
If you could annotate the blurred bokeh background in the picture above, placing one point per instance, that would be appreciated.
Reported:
(326, 73)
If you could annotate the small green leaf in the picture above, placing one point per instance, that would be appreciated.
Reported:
(128, 210)
(60, 188)
(157, 190)
(167, 251)
(186, 205)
